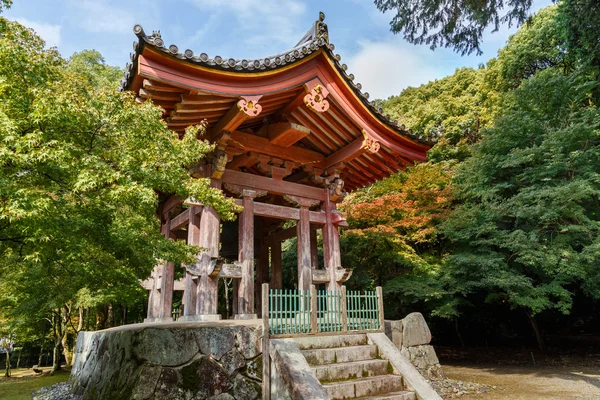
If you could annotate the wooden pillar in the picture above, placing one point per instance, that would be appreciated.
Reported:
(246, 256)
(208, 286)
(262, 266)
(191, 281)
(167, 281)
(331, 245)
(314, 248)
(276, 268)
(304, 253)
(154, 296)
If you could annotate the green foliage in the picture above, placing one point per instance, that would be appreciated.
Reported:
(5, 4)
(538, 45)
(450, 23)
(528, 227)
(520, 226)
(453, 109)
(81, 170)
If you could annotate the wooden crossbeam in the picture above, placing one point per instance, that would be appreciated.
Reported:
(285, 213)
(160, 87)
(272, 185)
(262, 145)
(286, 133)
(244, 109)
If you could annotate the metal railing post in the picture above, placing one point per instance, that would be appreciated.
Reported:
(266, 389)
(314, 310)
(380, 307)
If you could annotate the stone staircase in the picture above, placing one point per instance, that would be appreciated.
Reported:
(350, 368)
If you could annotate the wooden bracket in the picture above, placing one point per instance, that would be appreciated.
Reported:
(301, 202)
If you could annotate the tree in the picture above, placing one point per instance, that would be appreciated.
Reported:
(450, 23)
(5, 4)
(527, 231)
(82, 167)
(393, 239)
(453, 110)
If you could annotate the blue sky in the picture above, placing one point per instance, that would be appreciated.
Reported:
(383, 62)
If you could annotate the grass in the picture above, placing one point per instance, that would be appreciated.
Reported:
(21, 388)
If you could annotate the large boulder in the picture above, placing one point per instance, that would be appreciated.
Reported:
(415, 331)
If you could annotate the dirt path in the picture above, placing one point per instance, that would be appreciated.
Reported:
(531, 383)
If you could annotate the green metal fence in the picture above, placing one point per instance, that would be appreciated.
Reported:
(363, 310)
(329, 317)
(303, 311)
(289, 311)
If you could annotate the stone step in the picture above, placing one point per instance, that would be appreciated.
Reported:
(404, 395)
(364, 387)
(340, 354)
(350, 370)
(327, 342)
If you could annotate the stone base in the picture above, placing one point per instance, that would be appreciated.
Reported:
(159, 320)
(170, 361)
(245, 316)
(202, 317)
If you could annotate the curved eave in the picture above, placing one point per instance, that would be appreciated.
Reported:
(385, 130)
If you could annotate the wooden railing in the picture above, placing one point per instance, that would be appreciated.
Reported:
(293, 312)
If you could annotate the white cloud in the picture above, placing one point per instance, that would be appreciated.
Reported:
(50, 33)
(386, 68)
(99, 16)
(258, 25)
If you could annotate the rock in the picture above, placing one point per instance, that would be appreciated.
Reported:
(165, 346)
(169, 362)
(215, 342)
(415, 330)
(249, 341)
(245, 389)
(206, 377)
(425, 360)
(144, 388)
(254, 368)
(233, 360)
(393, 330)
(58, 391)
(222, 396)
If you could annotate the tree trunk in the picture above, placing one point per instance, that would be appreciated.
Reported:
(87, 319)
(55, 358)
(110, 316)
(99, 320)
(462, 342)
(19, 357)
(536, 330)
(41, 351)
(7, 372)
(80, 321)
(66, 350)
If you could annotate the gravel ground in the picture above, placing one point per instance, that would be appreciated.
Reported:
(452, 388)
(58, 391)
(531, 383)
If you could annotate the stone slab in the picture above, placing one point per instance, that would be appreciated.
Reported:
(415, 331)
(402, 365)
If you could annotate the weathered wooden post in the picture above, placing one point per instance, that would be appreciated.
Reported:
(167, 280)
(191, 281)
(344, 308)
(314, 310)
(266, 389)
(246, 254)
(380, 307)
